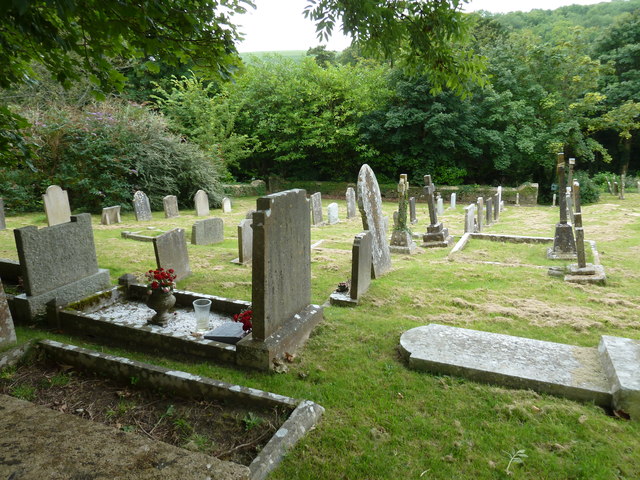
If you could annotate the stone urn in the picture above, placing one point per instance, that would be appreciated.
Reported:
(161, 302)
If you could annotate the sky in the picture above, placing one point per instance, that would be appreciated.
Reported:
(280, 24)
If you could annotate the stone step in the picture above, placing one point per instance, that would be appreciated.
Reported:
(621, 360)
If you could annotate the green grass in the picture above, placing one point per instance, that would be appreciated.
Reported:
(384, 421)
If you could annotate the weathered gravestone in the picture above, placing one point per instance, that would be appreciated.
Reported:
(7, 332)
(207, 231)
(201, 203)
(171, 252)
(489, 209)
(470, 218)
(110, 215)
(57, 262)
(499, 193)
(554, 201)
(226, 205)
(496, 207)
(352, 210)
(141, 207)
(569, 204)
(3, 224)
(332, 213)
(401, 237)
(170, 204)
(517, 199)
(453, 200)
(440, 205)
(413, 219)
(437, 235)
(245, 242)
(564, 244)
(360, 272)
(316, 209)
(56, 205)
(281, 280)
(480, 215)
(370, 206)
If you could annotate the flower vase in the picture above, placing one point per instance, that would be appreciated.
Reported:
(161, 302)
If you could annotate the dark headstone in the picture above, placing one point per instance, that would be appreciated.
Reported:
(207, 231)
(412, 210)
(3, 224)
(171, 252)
(227, 333)
(141, 206)
(316, 209)
(352, 209)
(7, 332)
(56, 205)
(110, 215)
(564, 244)
(201, 201)
(170, 204)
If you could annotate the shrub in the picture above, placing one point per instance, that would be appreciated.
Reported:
(589, 191)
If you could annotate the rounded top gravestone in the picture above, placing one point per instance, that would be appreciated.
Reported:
(370, 206)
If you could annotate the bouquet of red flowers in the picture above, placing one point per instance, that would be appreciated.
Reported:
(160, 279)
(244, 317)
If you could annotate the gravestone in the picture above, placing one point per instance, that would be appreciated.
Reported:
(370, 206)
(401, 238)
(110, 215)
(7, 332)
(352, 209)
(281, 280)
(499, 203)
(437, 235)
(56, 205)
(572, 162)
(440, 205)
(316, 209)
(553, 203)
(207, 231)
(141, 206)
(517, 199)
(564, 244)
(496, 208)
(470, 218)
(57, 262)
(245, 242)
(171, 252)
(569, 203)
(201, 203)
(453, 200)
(170, 204)
(3, 224)
(489, 208)
(360, 272)
(413, 219)
(332, 213)
(226, 205)
(480, 214)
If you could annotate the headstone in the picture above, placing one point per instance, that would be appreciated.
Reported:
(413, 219)
(170, 203)
(564, 244)
(3, 224)
(110, 215)
(401, 238)
(226, 205)
(171, 252)
(360, 265)
(141, 206)
(569, 202)
(245, 242)
(370, 206)
(7, 332)
(437, 235)
(56, 205)
(332, 213)
(453, 200)
(499, 193)
(553, 203)
(496, 208)
(480, 215)
(489, 208)
(572, 162)
(207, 231)
(440, 205)
(352, 209)
(517, 199)
(57, 262)
(470, 218)
(316, 209)
(201, 201)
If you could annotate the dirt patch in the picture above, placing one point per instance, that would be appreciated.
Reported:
(228, 432)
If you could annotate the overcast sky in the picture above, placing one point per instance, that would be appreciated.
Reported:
(280, 24)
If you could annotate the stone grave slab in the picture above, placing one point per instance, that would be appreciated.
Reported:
(56, 205)
(352, 209)
(201, 203)
(316, 209)
(110, 215)
(170, 204)
(360, 272)
(141, 206)
(171, 252)
(7, 331)
(207, 231)
(245, 242)
(621, 358)
(3, 223)
(143, 235)
(230, 333)
(226, 205)
(332, 213)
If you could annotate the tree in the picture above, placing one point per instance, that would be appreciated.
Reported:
(322, 56)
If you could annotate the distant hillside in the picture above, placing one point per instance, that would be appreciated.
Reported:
(295, 55)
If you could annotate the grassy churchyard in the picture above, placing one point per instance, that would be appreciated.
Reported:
(384, 421)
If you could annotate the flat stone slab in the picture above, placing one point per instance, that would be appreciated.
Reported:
(558, 369)
(230, 333)
(342, 299)
(592, 274)
(621, 360)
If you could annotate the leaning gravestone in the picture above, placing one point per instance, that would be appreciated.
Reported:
(171, 252)
(564, 244)
(3, 224)
(370, 206)
(110, 215)
(56, 205)
(170, 204)
(352, 210)
(245, 242)
(51, 272)
(226, 205)
(207, 231)
(360, 272)
(7, 332)
(316, 209)
(437, 235)
(201, 201)
(141, 207)
(281, 280)
(332, 213)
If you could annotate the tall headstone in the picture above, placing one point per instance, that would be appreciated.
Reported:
(489, 208)
(440, 205)
(226, 205)
(470, 218)
(480, 215)
(316, 209)
(553, 203)
(453, 200)
(141, 206)
(360, 265)
(170, 204)
(413, 219)
(201, 203)
(3, 224)
(352, 209)
(572, 162)
(245, 242)
(437, 235)
(332, 213)
(110, 215)
(496, 207)
(569, 203)
(401, 238)
(370, 206)
(500, 205)
(517, 199)
(171, 252)
(564, 244)
(56, 205)
(7, 331)
(207, 231)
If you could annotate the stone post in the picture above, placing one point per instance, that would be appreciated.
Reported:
(572, 162)
(496, 208)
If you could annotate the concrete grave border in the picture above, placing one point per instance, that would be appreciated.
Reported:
(139, 236)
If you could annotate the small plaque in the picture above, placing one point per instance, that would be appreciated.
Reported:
(227, 333)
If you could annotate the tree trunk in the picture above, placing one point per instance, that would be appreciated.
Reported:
(626, 155)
